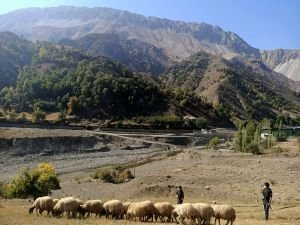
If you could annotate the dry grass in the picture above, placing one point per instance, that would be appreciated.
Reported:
(15, 212)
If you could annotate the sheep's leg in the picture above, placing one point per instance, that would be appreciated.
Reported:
(227, 222)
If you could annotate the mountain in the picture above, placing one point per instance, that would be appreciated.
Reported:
(14, 54)
(56, 78)
(178, 39)
(284, 61)
(137, 55)
(237, 88)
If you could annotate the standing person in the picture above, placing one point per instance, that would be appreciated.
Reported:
(180, 195)
(267, 199)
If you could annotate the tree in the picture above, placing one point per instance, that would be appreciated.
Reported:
(38, 115)
(214, 142)
(33, 182)
(73, 105)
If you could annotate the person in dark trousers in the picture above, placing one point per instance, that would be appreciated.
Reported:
(267, 199)
(180, 195)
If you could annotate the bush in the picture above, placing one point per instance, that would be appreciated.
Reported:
(12, 116)
(201, 123)
(253, 148)
(33, 182)
(114, 176)
(124, 176)
(106, 176)
(38, 115)
(214, 142)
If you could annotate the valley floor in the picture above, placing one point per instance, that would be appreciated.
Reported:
(206, 176)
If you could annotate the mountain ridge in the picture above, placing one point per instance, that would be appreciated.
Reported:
(178, 39)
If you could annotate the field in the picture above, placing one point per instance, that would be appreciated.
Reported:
(214, 175)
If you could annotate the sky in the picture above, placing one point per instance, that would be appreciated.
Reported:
(264, 24)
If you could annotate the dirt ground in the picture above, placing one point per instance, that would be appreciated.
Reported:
(206, 176)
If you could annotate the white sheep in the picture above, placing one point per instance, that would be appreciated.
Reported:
(114, 209)
(126, 206)
(68, 205)
(205, 211)
(164, 210)
(225, 212)
(42, 203)
(144, 211)
(92, 206)
(185, 211)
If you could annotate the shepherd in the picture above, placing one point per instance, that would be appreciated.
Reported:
(267, 199)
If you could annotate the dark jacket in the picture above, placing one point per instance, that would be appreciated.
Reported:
(267, 193)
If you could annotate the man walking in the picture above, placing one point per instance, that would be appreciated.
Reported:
(267, 199)
(180, 195)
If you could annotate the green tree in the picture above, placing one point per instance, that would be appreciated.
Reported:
(214, 142)
(73, 105)
(38, 115)
(33, 182)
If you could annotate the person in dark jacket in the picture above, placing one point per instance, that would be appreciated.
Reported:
(180, 195)
(267, 199)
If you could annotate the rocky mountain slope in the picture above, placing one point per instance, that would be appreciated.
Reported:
(57, 78)
(176, 38)
(283, 61)
(239, 90)
(139, 56)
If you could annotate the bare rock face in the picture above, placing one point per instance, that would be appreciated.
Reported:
(283, 61)
(177, 38)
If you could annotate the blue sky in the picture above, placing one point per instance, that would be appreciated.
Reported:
(264, 24)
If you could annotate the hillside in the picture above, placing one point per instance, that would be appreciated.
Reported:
(58, 78)
(158, 36)
(177, 38)
(284, 61)
(137, 55)
(14, 54)
(241, 91)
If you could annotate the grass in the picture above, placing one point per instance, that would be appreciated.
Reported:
(14, 212)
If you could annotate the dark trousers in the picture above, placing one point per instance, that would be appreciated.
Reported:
(266, 208)
(179, 201)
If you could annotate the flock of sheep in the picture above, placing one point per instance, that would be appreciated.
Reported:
(199, 213)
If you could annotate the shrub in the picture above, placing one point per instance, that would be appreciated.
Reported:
(62, 115)
(124, 176)
(38, 115)
(106, 176)
(32, 182)
(12, 115)
(253, 148)
(115, 176)
(201, 123)
(214, 142)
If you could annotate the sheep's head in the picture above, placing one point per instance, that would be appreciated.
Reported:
(81, 210)
(31, 210)
(56, 212)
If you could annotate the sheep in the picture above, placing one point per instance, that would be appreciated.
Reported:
(114, 208)
(144, 211)
(185, 211)
(126, 206)
(225, 212)
(205, 212)
(164, 210)
(68, 204)
(41, 204)
(92, 206)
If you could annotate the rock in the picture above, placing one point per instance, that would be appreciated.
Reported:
(207, 188)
